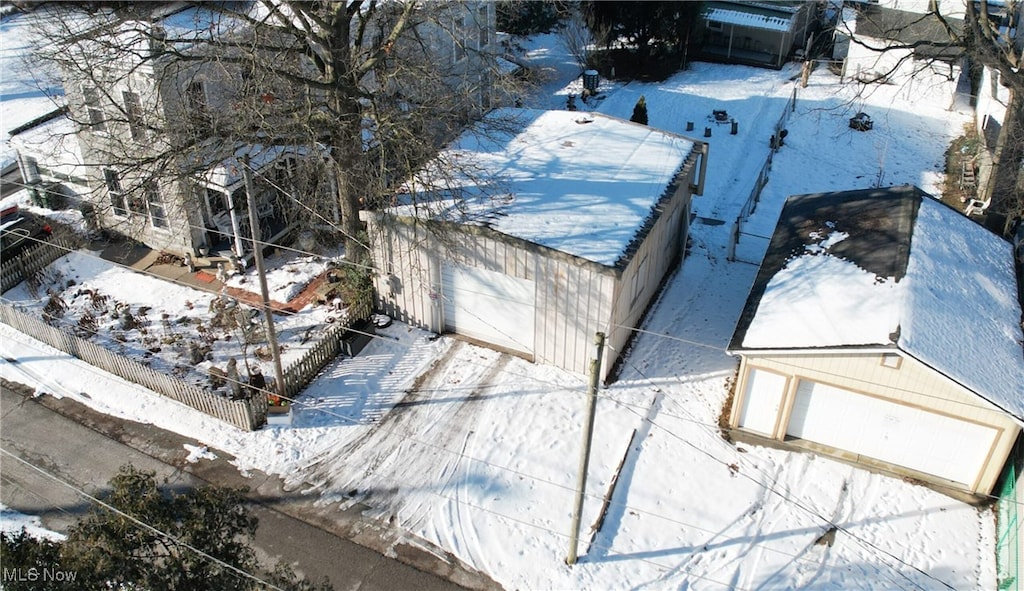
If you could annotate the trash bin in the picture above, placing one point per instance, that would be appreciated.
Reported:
(591, 80)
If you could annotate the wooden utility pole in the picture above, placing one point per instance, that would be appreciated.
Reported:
(588, 435)
(257, 255)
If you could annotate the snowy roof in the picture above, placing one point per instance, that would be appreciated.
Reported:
(581, 183)
(54, 141)
(892, 268)
(925, 33)
(772, 17)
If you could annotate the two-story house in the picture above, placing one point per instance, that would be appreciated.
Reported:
(182, 110)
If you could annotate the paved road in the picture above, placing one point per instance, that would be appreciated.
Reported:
(85, 457)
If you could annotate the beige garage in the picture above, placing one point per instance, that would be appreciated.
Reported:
(844, 341)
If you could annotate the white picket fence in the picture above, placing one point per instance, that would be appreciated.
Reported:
(247, 414)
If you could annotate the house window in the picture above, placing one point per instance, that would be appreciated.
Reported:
(638, 280)
(155, 204)
(31, 166)
(483, 27)
(715, 25)
(133, 111)
(117, 199)
(195, 103)
(460, 38)
(97, 121)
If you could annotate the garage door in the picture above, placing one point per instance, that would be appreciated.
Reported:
(489, 306)
(911, 437)
(761, 401)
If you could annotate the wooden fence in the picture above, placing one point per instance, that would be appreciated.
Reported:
(245, 414)
(750, 206)
(299, 374)
(248, 414)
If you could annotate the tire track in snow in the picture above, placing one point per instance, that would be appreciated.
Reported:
(321, 470)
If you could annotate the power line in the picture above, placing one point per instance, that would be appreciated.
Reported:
(683, 340)
(772, 489)
(539, 480)
(142, 524)
(799, 505)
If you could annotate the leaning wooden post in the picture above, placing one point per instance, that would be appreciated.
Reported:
(588, 435)
(257, 255)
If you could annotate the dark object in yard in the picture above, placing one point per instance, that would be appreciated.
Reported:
(256, 381)
(861, 122)
(720, 116)
(828, 538)
(357, 337)
(707, 132)
(382, 320)
(778, 140)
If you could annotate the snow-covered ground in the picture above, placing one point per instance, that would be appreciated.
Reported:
(26, 89)
(477, 451)
(13, 522)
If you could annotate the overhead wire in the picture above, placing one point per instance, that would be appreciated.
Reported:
(535, 478)
(142, 524)
(647, 332)
(785, 496)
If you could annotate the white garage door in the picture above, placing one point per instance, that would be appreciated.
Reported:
(911, 437)
(489, 306)
(761, 401)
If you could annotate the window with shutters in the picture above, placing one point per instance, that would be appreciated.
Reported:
(482, 24)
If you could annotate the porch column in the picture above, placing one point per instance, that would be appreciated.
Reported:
(235, 229)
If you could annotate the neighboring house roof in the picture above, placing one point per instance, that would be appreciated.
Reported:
(53, 138)
(755, 15)
(891, 268)
(581, 183)
(923, 32)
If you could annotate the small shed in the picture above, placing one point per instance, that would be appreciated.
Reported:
(883, 328)
(755, 33)
(556, 225)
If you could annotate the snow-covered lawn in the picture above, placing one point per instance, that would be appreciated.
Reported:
(170, 327)
(477, 451)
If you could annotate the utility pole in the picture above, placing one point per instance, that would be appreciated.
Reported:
(588, 436)
(257, 255)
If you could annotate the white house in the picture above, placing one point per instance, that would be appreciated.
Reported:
(50, 159)
(883, 328)
(166, 115)
(560, 224)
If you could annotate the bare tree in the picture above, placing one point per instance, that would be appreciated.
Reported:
(357, 93)
(579, 38)
(979, 36)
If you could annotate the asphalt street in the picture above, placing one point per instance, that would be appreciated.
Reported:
(62, 447)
